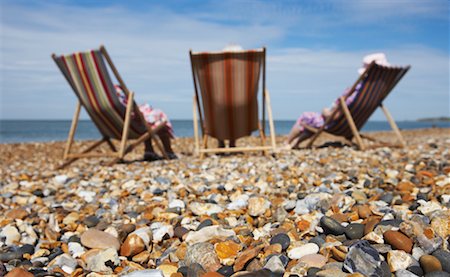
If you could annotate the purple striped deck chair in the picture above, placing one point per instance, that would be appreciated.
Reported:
(87, 74)
(226, 98)
(347, 121)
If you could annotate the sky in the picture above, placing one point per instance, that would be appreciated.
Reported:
(314, 49)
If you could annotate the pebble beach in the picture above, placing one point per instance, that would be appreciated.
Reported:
(330, 211)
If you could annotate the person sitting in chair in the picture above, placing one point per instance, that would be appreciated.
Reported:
(316, 120)
(153, 117)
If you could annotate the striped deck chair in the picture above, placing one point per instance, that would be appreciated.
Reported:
(226, 98)
(347, 121)
(87, 74)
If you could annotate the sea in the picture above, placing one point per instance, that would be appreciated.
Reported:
(18, 131)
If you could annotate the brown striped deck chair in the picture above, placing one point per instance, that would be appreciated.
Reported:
(347, 121)
(226, 98)
(87, 74)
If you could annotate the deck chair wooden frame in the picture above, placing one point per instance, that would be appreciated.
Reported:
(344, 109)
(202, 148)
(125, 145)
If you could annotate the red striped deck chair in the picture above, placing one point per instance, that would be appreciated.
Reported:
(87, 74)
(347, 121)
(226, 98)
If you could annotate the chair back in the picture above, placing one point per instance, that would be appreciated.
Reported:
(228, 84)
(377, 82)
(87, 74)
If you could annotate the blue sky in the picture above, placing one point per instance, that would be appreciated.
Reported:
(314, 49)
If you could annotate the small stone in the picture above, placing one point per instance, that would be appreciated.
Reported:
(364, 211)
(245, 256)
(140, 273)
(317, 240)
(91, 221)
(257, 206)
(359, 196)
(180, 231)
(405, 273)
(212, 274)
(275, 265)
(354, 230)
(444, 257)
(11, 235)
(71, 218)
(227, 249)
(437, 274)
(430, 263)
(202, 253)
(363, 258)
(167, 269)
(331, 226)
(209, 233)
(226, 270)
(398, 259)
(195, 269)
(281, 239)
(18, 213)
(205, 223)
(205, 208)
(300, 251)
(416, 269)
(93, 238)
(398, 240)
(102, 260)
(132, 245)
(314, 260)
(19, 272)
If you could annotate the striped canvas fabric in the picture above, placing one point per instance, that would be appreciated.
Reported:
(88, 76)
(228, 82)
(379, 82)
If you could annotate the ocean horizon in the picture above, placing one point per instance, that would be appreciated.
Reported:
(18, 131)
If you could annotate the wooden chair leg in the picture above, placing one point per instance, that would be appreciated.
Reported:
(126, 125)
(262, 137)
(271, 126)
(205, 145)
(352, 124)
(195, 122)
(393, 125)
(89, 149)
(110, 144)
(73, 128)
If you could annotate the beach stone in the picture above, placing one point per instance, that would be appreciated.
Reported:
(354, 230)
(167, 269)
(180, 231)
(209, 233)
(398, 259)
(314, 260)
(363, 258)
(227, 249)
(275, 265)
(19, 272)
(183, 270)
(359, 196)
(300, 251)
(132, 245)
(312, 271)
(257, 206)
(317, 240)
(281, 239)
(444, 257)
(202, 253)
(205, 223)
(332, 272)
(245, 256)
(140, 273)
(398, 240)
(390, 222)
(437, 274)
(18, 213)
(331, 226)
(364, 211)
(430, 263)
(416, 269)
(91, 221)
(93, 238)
(405, 273)
(11, 235)
(103, 260)
(212, 274)
(226, 270)
(8, 256)
(205, 208)
(195, 269)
